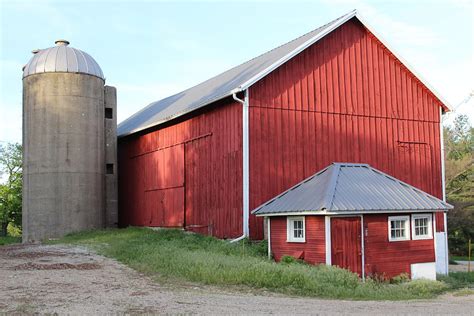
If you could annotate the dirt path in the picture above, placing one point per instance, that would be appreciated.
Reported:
(72, 280)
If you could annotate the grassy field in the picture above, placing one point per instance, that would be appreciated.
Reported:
(173, 255)
(9, 240)
(460, 258)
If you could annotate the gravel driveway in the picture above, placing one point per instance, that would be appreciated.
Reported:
(72, 280)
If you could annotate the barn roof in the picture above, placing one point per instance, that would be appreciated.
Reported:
(237, 79)
(351, 188)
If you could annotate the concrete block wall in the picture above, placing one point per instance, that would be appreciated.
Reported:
(111, 189)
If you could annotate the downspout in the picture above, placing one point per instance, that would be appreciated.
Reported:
(245, 164)
(443, 176)
(362, 233)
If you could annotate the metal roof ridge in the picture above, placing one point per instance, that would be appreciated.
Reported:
(331, 188)
(337, 23)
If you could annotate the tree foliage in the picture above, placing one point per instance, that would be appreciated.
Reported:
(11, 186)
(459, 156)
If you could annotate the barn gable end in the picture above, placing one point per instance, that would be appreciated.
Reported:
(344, 98)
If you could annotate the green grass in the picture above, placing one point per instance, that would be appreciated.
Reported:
(9, 240)
(457, 280)
(460, 258)
(173, 255)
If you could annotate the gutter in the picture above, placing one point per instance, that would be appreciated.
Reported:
(245, 163)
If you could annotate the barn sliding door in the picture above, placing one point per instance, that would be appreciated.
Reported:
(346, 243)
(164, 187)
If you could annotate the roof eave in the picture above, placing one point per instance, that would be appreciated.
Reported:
(348, 212)
(177, 115)
(447, 106)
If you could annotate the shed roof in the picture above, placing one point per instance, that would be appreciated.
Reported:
(351, 188)
(237, 79)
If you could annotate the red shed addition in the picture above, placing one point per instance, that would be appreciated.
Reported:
(374, 224)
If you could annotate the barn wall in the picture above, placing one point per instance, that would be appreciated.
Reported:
(314, 249)
(186, 174)
(344, 99)
(392, 258)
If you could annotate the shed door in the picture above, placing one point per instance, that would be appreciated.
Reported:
(346, 243)
(164, 187)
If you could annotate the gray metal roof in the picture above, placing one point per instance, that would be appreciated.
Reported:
(240, 78)
(236, 79)
(346, 188)
(62, 58)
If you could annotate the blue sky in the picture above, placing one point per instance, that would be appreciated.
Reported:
(152, 49)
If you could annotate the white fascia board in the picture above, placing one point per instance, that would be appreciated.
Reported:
(403, 61)
(354, 213)
(321, 35)
(296, 51)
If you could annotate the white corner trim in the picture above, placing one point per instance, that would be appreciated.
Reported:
(246, 162)
(269, 238)
(425, 270)
(446, 242)
(441, 146)
(327, 236)
(362, 246)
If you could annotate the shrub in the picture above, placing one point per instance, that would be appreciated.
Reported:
(401, 278)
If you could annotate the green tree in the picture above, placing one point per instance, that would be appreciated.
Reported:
(459, 156)
(10, 189)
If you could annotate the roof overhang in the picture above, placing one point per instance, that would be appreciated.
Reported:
(355, 213)
(447, 107)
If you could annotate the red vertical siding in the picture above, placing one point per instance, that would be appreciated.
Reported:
(344, 99)
(392, 258)
(187, 174)
(314, 249)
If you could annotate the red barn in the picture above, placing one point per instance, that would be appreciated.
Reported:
(204, 158)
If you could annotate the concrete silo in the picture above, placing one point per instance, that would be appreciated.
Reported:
(69, 144)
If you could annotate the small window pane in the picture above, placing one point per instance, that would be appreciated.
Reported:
(421, 226)
(296, 227)
(398, 229)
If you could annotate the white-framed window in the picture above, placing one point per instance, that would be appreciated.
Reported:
(421, 226)
(295, 231)
(398, 228)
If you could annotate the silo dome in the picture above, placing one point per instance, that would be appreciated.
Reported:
(62, 58)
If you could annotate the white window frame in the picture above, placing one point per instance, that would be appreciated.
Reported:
(289, 228)
(430, 226)
(405, 218)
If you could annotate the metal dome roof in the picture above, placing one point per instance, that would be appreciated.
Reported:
(62, 58)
